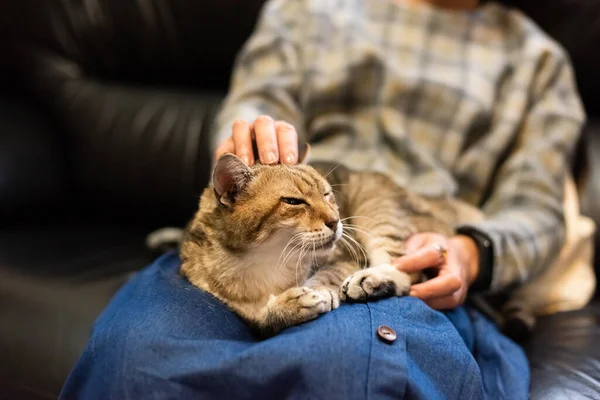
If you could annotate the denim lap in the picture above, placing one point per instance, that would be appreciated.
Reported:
(162, 338)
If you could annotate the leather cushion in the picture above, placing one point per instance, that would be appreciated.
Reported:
(179, 42)
(565, 357)
(54, 282)
(132, 153)
(32, 165)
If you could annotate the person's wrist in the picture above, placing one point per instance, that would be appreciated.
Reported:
(469, 254)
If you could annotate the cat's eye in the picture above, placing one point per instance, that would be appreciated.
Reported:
(326, 194)
(293, 201)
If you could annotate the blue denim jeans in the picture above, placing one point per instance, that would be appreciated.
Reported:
(161, 338)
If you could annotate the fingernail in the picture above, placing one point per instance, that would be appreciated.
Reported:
(246, 159)
(412, 293)
(290, 159)
(270, 158)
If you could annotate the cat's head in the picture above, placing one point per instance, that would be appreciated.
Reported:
(276, 205)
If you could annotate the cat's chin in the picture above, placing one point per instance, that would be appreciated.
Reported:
(327, 244)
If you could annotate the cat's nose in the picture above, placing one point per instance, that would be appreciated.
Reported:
(332, 224)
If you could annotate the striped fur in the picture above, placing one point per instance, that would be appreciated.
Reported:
(278, 264)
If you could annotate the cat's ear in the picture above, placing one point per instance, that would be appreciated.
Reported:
(230, 176)
(304, 154)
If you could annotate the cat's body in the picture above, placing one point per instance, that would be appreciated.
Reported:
(281, 245)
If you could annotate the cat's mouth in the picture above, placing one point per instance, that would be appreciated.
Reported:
(327, 243)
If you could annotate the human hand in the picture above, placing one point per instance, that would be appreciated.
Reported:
(456, 269)
(276, 141)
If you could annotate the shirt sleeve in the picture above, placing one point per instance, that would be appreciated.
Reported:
(266, 76)
(524, 217)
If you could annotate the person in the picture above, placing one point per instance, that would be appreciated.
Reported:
(448, 97)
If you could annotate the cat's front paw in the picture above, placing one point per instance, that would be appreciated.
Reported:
(376, 282)
(333, 296)
(297, 305)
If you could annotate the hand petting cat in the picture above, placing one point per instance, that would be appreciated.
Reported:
(276, 141)
(457, 269)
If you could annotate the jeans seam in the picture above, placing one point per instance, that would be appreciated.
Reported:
(370, 352)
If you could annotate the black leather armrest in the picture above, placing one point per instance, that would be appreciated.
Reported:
(142, 150)
(136, 152)
(564, 355)
(32, 163)
(146, 149)
(128, 81)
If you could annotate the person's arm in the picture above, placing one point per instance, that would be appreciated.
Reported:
(524, 214)
(523, 229)
(265, 82)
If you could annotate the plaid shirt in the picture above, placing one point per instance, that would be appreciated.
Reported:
(479, 105)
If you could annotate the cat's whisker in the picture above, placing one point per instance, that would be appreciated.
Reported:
(302, 253)
(284, 249)
(292, 239)
(351, 249)
(361, 248)
(299, 256)
(315, 255)
(331, 170)
(284, 254)
(290, 254)
(358, 229)
(358, 216)
(365, 263)
(355, 256)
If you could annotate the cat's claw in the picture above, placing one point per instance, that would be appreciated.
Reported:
(375, 282)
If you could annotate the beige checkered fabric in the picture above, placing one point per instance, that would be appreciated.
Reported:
(478, 105)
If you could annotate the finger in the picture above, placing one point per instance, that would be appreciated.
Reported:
(416, 241)
(440, 286)
(287, 140)
(425, 257)
(226, 147)
(443, 303)
(266, 139)
(242, 139)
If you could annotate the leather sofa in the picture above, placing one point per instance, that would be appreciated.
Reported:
(105, 108)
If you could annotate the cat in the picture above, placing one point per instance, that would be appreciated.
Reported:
(281, 245)
(226, 241)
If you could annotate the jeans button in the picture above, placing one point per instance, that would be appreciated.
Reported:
(386, 334)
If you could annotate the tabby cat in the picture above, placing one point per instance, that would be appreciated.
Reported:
(282, 244)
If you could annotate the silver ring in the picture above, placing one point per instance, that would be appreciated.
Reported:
(441, 250)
